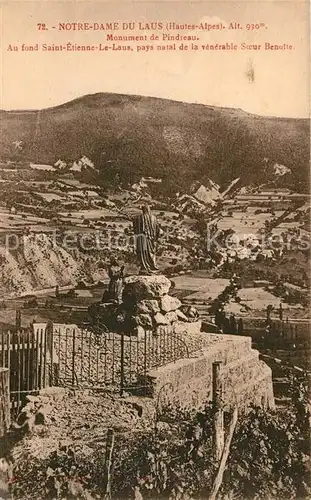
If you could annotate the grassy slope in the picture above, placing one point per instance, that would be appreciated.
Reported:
(149, 136)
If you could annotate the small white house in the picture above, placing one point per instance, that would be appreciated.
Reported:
(60, 164)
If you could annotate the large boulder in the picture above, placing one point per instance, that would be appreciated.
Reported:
(143, 320)
(160, 319)
(137, 288)
(171, 316)
(147, 306)
(169, 303)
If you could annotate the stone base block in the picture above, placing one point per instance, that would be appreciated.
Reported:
(137, 288)
(188, 382)
(182, 327)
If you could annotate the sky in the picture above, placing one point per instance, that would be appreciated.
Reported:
(36, 80)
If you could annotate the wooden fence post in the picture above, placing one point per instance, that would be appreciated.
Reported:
(49, 348)
(122, 365)
(218, 421)
(224, 456)
(18, 319)
(4, 401)
(73, 356)
(108, 460)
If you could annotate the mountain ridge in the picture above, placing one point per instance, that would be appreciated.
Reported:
(133, 136)
(138, 96)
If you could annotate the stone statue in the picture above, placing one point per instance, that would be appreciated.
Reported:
(146, 232)
(115, 287)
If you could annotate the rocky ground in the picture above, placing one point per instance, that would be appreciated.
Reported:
(81, 418)
(61, 421)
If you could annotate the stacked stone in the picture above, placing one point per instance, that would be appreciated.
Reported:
(151, 308)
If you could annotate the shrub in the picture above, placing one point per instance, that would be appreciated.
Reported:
(268, 459)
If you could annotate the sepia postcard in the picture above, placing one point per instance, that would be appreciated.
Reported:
(155, 250)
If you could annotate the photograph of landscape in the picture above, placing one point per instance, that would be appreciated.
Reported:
(155, 250)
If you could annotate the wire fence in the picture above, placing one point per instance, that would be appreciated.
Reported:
(89, 357)
(114, 361)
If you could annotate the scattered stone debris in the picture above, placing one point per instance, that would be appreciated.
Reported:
(58, 417)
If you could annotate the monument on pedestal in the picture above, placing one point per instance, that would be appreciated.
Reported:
(146, 304)
(146, 231)
(147, 296)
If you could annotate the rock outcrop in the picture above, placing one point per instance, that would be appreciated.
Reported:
(138, 288)
(36, 262)
(147, 306)
(150, 307)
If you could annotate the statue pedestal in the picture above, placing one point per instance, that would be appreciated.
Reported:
(141, 286)
(147, 306)
(151, 307)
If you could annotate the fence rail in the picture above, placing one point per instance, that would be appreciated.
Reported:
(25, 354)
(95, 357)
(90, 357)
(286, 329)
